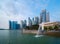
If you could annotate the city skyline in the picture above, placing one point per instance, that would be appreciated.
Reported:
(22, 9)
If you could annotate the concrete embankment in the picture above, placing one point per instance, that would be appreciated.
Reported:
(49, 33)
(55, 33)
(30, 31)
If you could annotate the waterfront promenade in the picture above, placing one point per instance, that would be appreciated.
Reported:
(30, 31)
(49, 33)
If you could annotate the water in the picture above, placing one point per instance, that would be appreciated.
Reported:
(39, 36)
(16, 37)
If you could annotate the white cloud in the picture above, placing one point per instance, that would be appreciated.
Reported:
(4, 20)
(12, 10)
(18, 10)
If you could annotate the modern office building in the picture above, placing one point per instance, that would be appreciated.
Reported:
(29, 22)
(44, 16)
(18, 26)
(47, 17)
(23, 23)
(36, 20)
(10, 25)
(40, 21)
(14, 25)
(33, 22)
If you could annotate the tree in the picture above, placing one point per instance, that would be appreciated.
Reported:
(56, 27)
(45, 28)
(50, 28)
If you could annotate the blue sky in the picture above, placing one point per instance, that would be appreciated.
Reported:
(22, 9)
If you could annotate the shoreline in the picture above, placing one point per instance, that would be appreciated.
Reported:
(49, 33)
(30, 31)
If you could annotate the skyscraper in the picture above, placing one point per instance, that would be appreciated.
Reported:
(40, 21)
(10, 25)
(29, 22)
(47, 17)
(44, 16)
(23, 23)
(17, 26)
(33, 22)
(36, 20)
(13, 25)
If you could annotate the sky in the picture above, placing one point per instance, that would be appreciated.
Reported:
(18, 10)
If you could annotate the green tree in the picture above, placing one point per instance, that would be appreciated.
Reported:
(50, 28)
(56, 27)
(45, 28)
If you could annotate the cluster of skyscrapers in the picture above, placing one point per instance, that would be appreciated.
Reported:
(33, 21)
(44, 17)
(14, 25)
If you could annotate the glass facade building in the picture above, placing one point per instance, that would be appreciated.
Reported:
(33, 22)
(29, 22)
(14, 25)
(44, 16)
(23, 23)
(36, 20)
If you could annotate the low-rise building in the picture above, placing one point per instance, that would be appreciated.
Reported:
(47, 24)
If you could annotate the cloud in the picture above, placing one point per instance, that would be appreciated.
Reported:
(4, 20)
(19, 9)
(22, 7)
(12, 10)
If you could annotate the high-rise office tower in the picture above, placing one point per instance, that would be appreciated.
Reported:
(10, 25)
(29, 22)
(33, 22)
(40, 21)
(44, 16)
(47, 17)
(25, 24)
(13, 25)
(22, 23)
(17, 26)
(36, 20)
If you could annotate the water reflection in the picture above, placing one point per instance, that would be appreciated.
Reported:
(16, 37)
(4, 36)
